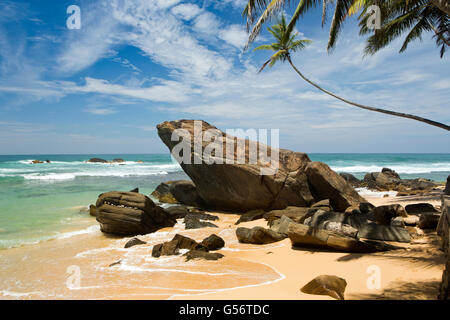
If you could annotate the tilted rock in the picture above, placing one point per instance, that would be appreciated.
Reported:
(129, 213)
(213, 242)
(134, 242)
(186, 193)
(327, 184)
(384, 214)
(241, 187)
(258, 235)
(422, 207)
(332, 286)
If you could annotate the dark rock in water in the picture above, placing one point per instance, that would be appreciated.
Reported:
(429, 220)
(118, 160)
(390, 172)
(192, 222)
(350, 178)
(258, 235)
(251, 216)
(129, 213)
(305, 236)
(327, 184)
(195, 254)
(37, 161)
(186, 193)
(177, 212)
(188, 243)
(97, 160)
(384, 214)
(47, 161)
(297, 214)
(92, 210)
(380, 181)
(447, 186)
(213, 242)
(115, 263)
(162, 193)
(136, 190)
(327, 286)
(242, 187)
(170, 248)
(366, 207)
(420, 208)
(134, 242)
(156, 251)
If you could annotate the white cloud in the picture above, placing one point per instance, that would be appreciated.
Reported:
(235, 35)
(187, 11)
(206, 23)
(101, 111)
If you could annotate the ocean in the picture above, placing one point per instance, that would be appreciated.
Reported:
(50, 200)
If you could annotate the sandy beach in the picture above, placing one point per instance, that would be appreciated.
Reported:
(274, 271)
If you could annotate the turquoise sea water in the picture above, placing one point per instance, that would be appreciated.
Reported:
(43, 201)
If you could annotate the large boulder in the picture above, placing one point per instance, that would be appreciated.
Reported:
(129, 213)
(186, 193)
(243, 185)
(429, 220)
(258, 235)
(416, 208)
(327, 184)
(306, 236)
(326, 285)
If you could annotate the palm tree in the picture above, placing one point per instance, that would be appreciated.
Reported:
(416, 18)
(286, 43)
(434, 14)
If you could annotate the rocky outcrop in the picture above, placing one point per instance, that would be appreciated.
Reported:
(258, 235)
(388, 179)
(332, 286)
(297, 214)
(240, 186)
(443, 231)
(327, 184)
(129, 213)
(350, 178)
(306, 236)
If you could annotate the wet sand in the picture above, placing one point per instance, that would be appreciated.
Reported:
(48, 270)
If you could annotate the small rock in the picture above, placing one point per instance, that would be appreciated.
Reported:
(420, 208)
(326, 285)
(213, 242)
(195, 254)
(194, 223)
(115, 263)
(170, 248)
(136, 190)
(134, 242)
(429, 220)
(93, 210)
(258, 235)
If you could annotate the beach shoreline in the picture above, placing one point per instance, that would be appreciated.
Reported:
(273, 271)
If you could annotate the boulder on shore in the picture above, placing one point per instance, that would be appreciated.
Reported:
(241, 186)
(195, 254)
(422, 207)
(332, 286)
(213, 242)
(192, 222)
(186, 193)
(258, 235)
(429, 220)
(384, 214)
(129, 213)
(350, 178)
(133, 242)
(305, 236)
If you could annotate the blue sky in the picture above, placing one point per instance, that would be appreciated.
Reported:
(136, 63)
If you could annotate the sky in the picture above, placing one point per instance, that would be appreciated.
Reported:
(103, 88)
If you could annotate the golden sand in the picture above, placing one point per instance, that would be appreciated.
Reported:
(49, 270)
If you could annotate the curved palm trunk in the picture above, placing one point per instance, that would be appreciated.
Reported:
(392, 113)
